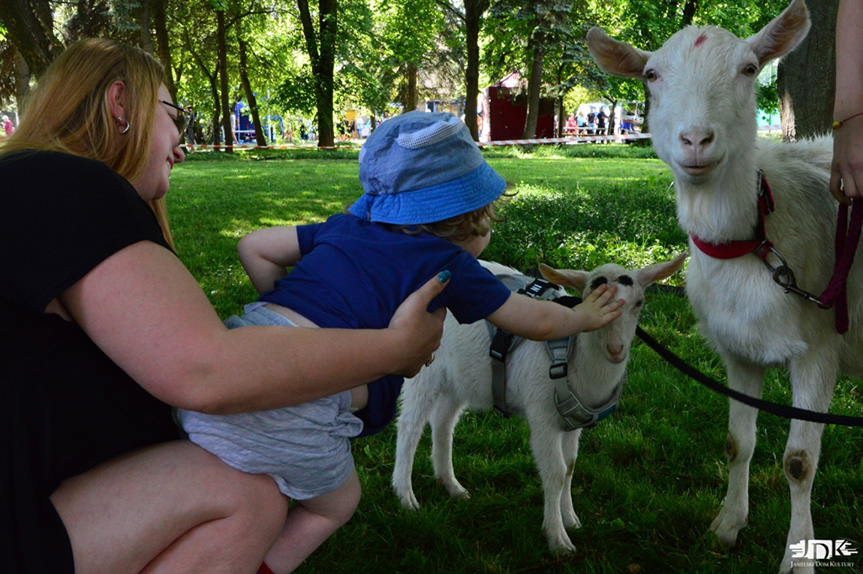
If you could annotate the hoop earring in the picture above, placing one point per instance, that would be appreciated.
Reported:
(128, 125)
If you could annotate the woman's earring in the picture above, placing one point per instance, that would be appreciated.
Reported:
(128, 125)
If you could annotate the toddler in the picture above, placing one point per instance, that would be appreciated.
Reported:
(427, 209)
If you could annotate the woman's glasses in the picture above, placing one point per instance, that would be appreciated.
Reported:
(182, 119)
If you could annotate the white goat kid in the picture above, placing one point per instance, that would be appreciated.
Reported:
(461, 377)
(702, 121)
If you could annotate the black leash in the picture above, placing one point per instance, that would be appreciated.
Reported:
(772, 408)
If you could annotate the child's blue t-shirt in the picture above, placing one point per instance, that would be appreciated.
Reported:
(354, 274)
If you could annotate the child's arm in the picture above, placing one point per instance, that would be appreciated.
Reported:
(544, 320)
(267, 253)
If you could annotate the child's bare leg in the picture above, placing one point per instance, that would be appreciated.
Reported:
(311, 522)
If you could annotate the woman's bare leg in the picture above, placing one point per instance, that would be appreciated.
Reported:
(311, 522)
(171, 508)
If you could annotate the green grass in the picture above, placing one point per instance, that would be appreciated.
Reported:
(648, 480)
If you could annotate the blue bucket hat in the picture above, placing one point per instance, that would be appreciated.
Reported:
(423, 167)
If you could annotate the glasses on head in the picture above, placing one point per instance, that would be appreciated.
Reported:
(182, 119)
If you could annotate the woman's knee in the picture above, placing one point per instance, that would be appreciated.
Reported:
(171, 490)
(251, 499)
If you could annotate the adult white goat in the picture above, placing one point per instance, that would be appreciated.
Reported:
(462, 377)
(703, 124)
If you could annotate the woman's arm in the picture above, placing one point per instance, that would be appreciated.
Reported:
(544, 320)
(267, 253)
(148, 314)
(846, 178)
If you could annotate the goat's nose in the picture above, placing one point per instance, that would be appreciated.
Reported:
(698, 138)
(615, 349)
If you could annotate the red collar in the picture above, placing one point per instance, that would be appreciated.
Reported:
(734, 249)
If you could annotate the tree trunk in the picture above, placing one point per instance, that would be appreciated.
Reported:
(806, 79)
(689, 10)
(611, 122)
(145, 40)
(260, 138)
(217, 116)
(328, 26)
(534, 89)
(22, 81)
(214, 89)
(222, 48)
(160, 23)
(30, 27)
(411, 90)
(323, 62)
(473, 11)
(561, 118)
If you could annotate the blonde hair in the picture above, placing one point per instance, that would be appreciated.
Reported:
(69, 110)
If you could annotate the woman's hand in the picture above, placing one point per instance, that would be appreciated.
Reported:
(420, 330)
(846, 173)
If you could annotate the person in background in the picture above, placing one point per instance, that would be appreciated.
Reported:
(846, 178)
(190, 127)
(571, 125)
(103, 330)
(8, 126)
(601, 119)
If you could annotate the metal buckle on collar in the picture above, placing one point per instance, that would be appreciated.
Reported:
(784, 276)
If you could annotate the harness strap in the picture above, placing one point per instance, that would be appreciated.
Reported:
(574, 414)
(558, 351)
(503, 342)
(846, 242)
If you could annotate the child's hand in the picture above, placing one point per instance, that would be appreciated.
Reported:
(600, 308)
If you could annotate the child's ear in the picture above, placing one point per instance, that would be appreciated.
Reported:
(565, 277)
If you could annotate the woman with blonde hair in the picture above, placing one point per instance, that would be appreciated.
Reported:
(104, 330)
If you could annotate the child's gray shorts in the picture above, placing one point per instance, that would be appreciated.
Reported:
(305, 448)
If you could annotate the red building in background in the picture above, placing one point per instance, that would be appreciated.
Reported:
(504, 111)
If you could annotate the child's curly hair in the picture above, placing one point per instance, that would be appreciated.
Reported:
(461, 227)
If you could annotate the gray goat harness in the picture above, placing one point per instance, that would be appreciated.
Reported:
(573, 412)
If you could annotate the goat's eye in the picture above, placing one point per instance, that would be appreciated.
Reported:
(639, 303)
(750, 70)
(650, 75)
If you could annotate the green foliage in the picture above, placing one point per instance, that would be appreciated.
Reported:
(296, 94)
(648, 480)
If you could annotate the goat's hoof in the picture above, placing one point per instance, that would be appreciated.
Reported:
(409, 501)
(561, 544)
(455, 489)
(726, 530)
(571, 521)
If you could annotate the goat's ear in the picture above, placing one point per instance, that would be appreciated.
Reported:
(615, 57)
(565, 277)
(782, 34)
(660, 271)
